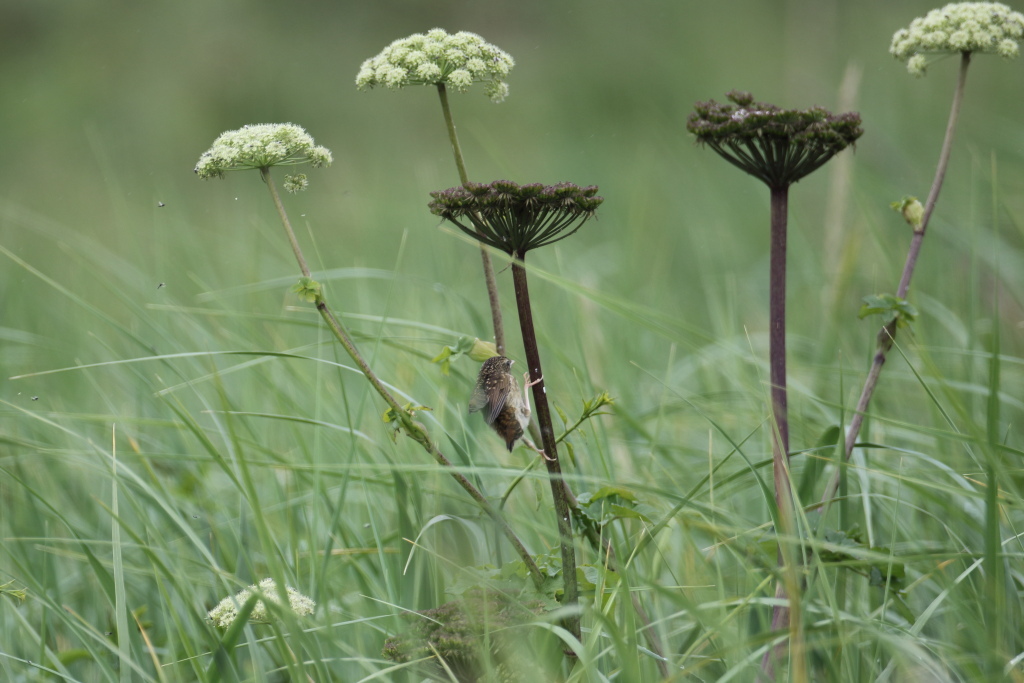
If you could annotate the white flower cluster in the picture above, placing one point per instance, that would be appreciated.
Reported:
(261, 145)
(457, 60)
(959, 27)
(296, 183)
(227, 610)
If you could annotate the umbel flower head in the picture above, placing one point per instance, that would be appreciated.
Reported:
(516, 218)
(227, 610)
(959, 27)
(778, 146)
(263, 145)
(435, 57)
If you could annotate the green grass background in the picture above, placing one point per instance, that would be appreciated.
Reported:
(233, 464)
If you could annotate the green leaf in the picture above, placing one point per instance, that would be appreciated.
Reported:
(308, 289)
(609, 491)
(622, 511)
(561, 414)
(590, 578)
(888, 306)
(472, 347)
(444, 359)
(610, 503)
(392, 418)
(911, 210)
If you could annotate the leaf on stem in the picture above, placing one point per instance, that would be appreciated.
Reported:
(890, 307)
(394, 420)
(473, 347)
(308, 289)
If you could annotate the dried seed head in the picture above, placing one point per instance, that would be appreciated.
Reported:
(517, 218)
(778, 146)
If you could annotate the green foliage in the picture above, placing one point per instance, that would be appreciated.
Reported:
(19, 593)
(471, 347)
(249, 446)
(394, 420)
(890, 307)
(610, 503)
(912, 211)
(308, 290)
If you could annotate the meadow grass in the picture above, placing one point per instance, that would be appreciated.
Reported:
(163, 447)
(145, 487)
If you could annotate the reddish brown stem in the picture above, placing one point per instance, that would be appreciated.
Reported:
(543, 413)
(783, 617)
(412, 428)
(777, 340)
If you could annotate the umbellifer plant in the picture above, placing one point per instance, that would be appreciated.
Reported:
(264, 146)
(516, 219)
(962, 28)
(778, 147)
(446, 60)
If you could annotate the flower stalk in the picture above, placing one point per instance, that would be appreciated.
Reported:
(489, 279)
(447, 60)
(778, 147)
(517, 219)
(887, 334)
(959, 28)
(559, 494)
(247, 149)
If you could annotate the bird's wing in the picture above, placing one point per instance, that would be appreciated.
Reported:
(491, 396)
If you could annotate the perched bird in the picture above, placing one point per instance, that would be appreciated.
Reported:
(497, 394)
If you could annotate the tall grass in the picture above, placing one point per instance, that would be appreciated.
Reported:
(164, 447)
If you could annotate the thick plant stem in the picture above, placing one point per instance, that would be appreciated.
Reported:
(887, 334)
(559, 492)
(777, 343)
(489, 279)
(413, 429)
(788, 586)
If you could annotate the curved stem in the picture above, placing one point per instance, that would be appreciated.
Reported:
(460, 163)
(265, 175)
(559, 493)
(887, 335)
(411, 427)
(489, 278)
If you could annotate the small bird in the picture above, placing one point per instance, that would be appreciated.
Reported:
(497, 393)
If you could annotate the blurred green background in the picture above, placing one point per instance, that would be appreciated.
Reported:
(114, 250)
(107, 106)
